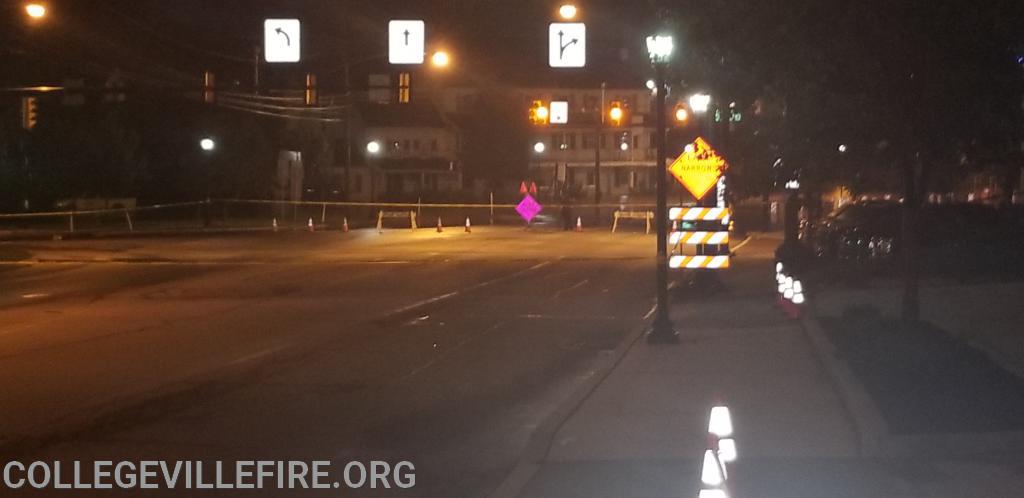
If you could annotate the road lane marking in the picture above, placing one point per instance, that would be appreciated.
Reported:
(741, 244)
(570, 288)
(480, 285)
(650, 312)
(256, 356)
(35, 295)
(536, 316)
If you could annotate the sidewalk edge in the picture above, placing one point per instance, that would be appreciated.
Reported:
(867, 419)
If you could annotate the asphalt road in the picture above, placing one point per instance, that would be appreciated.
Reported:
(445, 350)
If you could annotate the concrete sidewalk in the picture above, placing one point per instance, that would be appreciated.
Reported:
(641, 430)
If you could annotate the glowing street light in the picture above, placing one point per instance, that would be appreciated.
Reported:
(207, 144)
(659, 47)
(539, 147)
(373, 147)
(440, 59)
(567, 12)
(682, 114)
(650, 85)
(700, 102)
(35, 10)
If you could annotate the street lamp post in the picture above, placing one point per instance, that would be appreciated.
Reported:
(662, 331)
(597, 158)
(207, 144)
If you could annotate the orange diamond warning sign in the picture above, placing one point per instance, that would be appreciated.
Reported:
(698, 168)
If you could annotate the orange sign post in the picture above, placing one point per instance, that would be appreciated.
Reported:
(698, 168)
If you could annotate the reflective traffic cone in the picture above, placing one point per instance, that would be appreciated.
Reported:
(344, 225)
(468, 227)
(579, 224)
(310, 225)
(439, 228)
(274, 225)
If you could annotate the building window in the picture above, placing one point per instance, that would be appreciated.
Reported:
(653, 142)
(636, 142)
(589, 140)
(416, 144)
(591, 103)
(433, 145)
(560, 141)
(572, 141)
(357, 183)
(621, 177)
(590, 179)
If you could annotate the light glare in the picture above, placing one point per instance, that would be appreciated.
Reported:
(35, 10)
(659, 47)
(699, 102)
(373, 147)
(721, 422)
(440, 59)
(567, 12)
(207, 144)
(539, 147)
(711, 474)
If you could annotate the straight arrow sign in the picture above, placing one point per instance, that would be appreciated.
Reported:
(406, 41)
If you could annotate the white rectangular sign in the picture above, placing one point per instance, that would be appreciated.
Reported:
(281, 40)
(559, 113)
(406, 42)
(567, 44)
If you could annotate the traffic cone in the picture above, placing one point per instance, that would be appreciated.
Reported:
(468, 227)
(344, 225)
(310, 225)
(579, 224)
(439, 228)
(274, 225)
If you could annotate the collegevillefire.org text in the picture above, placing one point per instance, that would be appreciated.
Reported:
(195, 474)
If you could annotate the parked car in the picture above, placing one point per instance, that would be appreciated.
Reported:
(873, 230)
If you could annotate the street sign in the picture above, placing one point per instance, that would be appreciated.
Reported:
(567, 44)
(559, 113)
(282, 40)
(528, 208)
(406, 42)
(698, 168)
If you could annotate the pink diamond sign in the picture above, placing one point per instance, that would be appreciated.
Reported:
(528, 208)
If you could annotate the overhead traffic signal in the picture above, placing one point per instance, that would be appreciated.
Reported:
(29, 112)
(616, 113)
(539, 113)
(312, 95)
(209, 88)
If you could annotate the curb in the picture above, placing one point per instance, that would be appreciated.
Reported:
(867, 419)
(875, 439)
(542, 438)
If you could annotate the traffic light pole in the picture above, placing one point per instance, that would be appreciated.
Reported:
(661, 331)
(597, 160)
